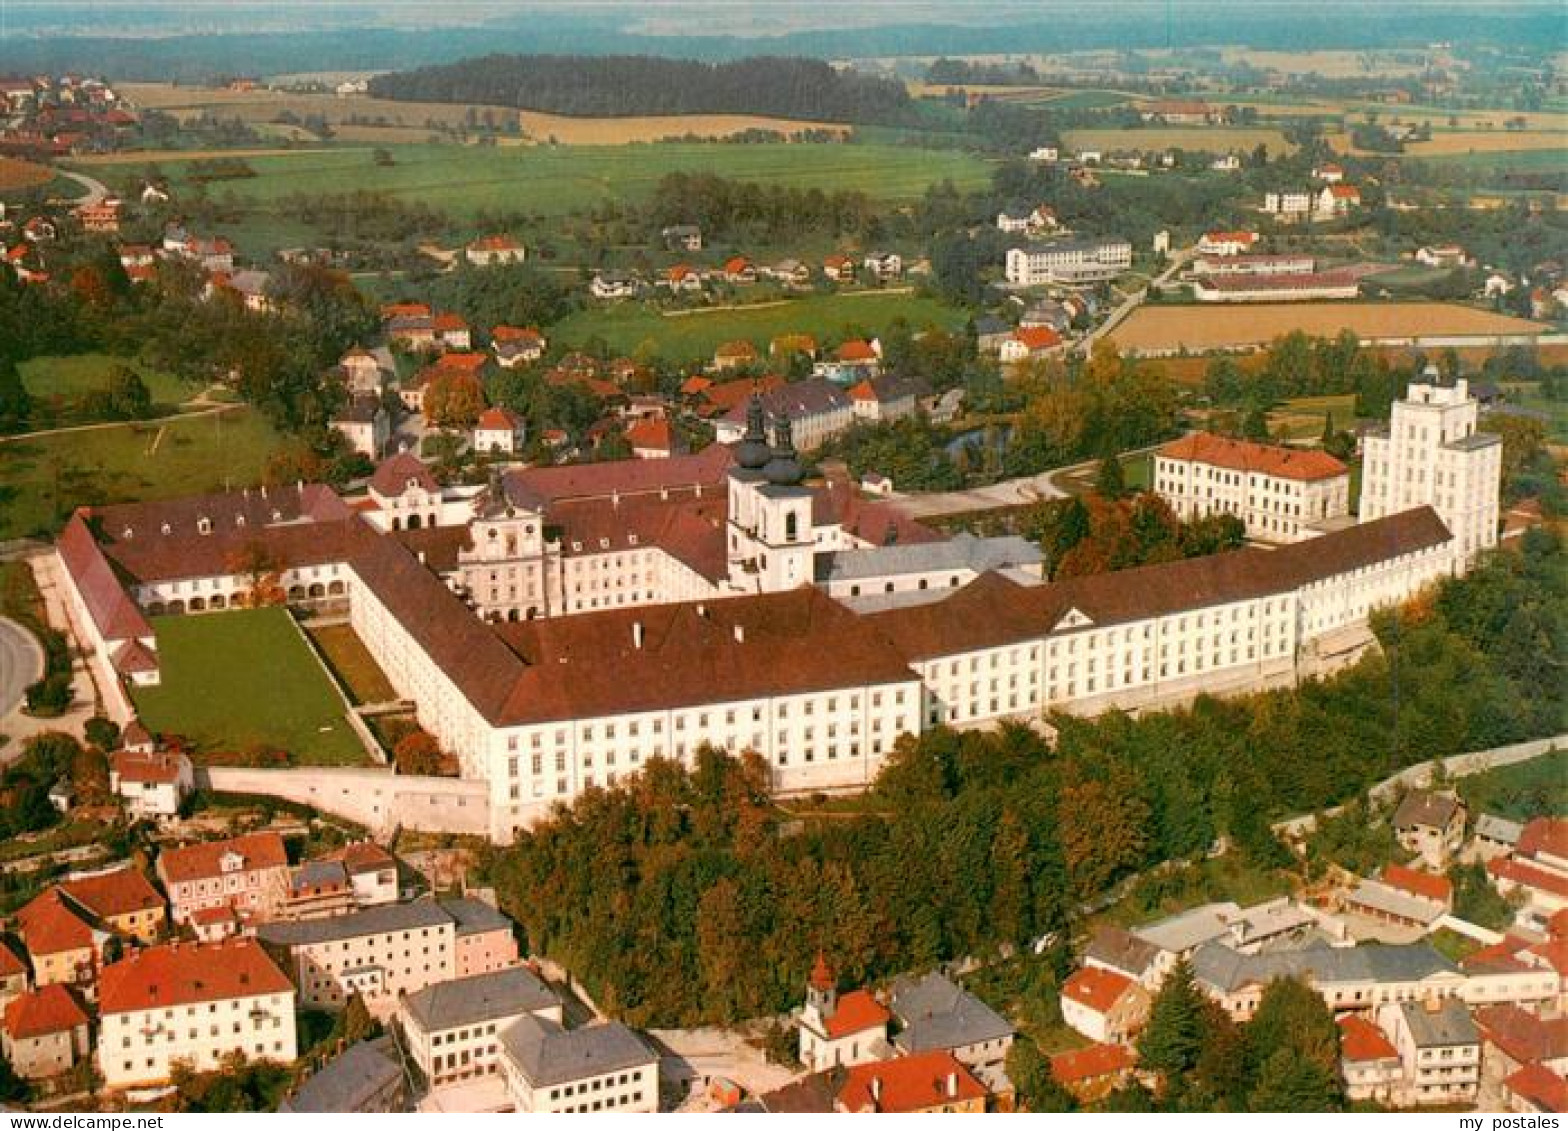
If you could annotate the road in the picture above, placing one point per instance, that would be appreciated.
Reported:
(21, 663)
(1133, 301)
(97, 191)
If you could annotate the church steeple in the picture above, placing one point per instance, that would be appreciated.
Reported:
(784, 469)
(752, 452)
(821, 990)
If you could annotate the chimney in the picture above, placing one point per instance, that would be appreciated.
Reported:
(615, 499)
(876, 1090)
(421, 557)
(637, 634)
(702, 611)
(263, 490)
(952, 1085)
(740, 634)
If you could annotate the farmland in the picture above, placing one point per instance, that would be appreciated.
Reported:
(555, 180)
(1451, 143)
(1198, 329)
(695, 335)
(17, 176)
(1209, 139)
(210, 692)
(42, 478)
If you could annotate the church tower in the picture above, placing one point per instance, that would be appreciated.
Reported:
(771, 538)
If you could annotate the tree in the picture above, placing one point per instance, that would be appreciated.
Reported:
(1255, 425)
(13, 1089)
(1110, 481)
(1173, 1040)
(1292, 1051)
(102, 733)
(126, 395)
(454, 400)
(15, 403)
(1037, 1087)
(418, 753)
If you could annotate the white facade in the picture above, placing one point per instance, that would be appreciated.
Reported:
(1433, 456)
(141, 1046)
(1274, 508)
(1070, 261)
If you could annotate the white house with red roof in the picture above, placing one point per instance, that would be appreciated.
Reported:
(1029, 342)
(1538, 868)
(1227, 243)
(1368, 1060)
(1104, 1005)
(152, 785)
(653, 437)
(516, 345)
(196, 1003)
(248, 873)
(45, 1032)
(499, 431)
(840, 1030)
(1280, 494)
(490, 251)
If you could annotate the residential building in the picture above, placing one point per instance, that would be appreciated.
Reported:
(739, 271)
(120, 899)
(1536, 1088)
(62, 943)
(1119, 951)
(1538, 868)
(363, 372)
(317, 889)
(1070, 262)
(840, 1030)
(653, 437)
(452, 1029)
(1103, 1005)
(372, 872)
(884, 266)
(483, 938)
(1092, 1073)
(614, 285)
(45, 1032)
(682, 237)
(1368, 1060)
(883, 399)
(839, 269)
(1294, 204)
(921, 1082)
(152, 785)
(1224, 243)
(1496, 836)
(1443, 255)
(192, 1003)
(1402, 897)
(489, 251)
(514, 346)
(13, 975)
(1439, 1051)
(1432, 825)
(1029, 342)
(366, 1078)
(247, 873)
(499, 431)
(365, 424)
(598, 1068)
(1280, 494)
(934, 1014)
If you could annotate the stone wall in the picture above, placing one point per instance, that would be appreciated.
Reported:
(376, 798)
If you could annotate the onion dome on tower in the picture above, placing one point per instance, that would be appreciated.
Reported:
(783, 470)
(752, 452)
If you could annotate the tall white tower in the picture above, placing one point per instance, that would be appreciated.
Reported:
(771, 540)
(1433, 456)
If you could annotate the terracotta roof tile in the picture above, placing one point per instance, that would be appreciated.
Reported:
(188, 973)
(155, 768)
(393, 475)
(543, 486)
(1423, 884)
(1529, 875)
(37, 1013)
(1541, 1086)
(1080, 1065)
(1097, 988)
(857, 1011)
(1523, 1035)
(498, 419)
(50, 925)
(1360, 1040)
(200, 861)
(1265, 459)
(110, 607)
(1544, 835)
(112, 894)
(909, 1084)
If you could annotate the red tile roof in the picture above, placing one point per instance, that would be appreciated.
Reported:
(1528, 875)
(447, 322)
(738, 349)
(544, 486)
(653, 433)
(726, 395)
(1096, 987)
(1078, 1066)
(1361, 1040)
(1523, 1035)
(695, 384)
(1554, 954)
(1557, 925)
(857, 1011)
(201, 861)
(1547, 835)
(363, 856)
(112, 894)
(1423, 884)
(494, 243)
(461, 362)
(498, 419)
(908, 1084)
(1265, 459)
(151, 768)
(133, 656)
(50, 925)
(1541, 1086)
(1037, 338)
(1245, 238)
(10, 963)
(1500, 956)
(1344, 192)
(856, 349)
(188, 973)
(37, 1013)
(737, 265)
(392, 476)
(111, 608)
(515, 334)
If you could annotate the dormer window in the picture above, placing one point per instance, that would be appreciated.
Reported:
(204, 525)
(631, 539)
(412, 483)
(604, 543)
(239, 520)
(127, 533)
(577, 547)
(165, 528)
(277, 516)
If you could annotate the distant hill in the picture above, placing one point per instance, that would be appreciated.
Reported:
(628, 85)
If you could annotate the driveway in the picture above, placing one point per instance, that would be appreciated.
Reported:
(97, 191)
(21, 663)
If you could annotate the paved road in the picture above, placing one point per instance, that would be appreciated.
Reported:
(97, 191)
(21, 663)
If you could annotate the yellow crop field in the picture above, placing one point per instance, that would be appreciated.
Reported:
(1207, 139)
(1458, 142)
(1200, 329)
(658, 127)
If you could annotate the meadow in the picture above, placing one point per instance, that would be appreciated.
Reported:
(57, 385)
(694, 335)
(44, 478)
(1205, 139)
(1197, 329)
(236, 680)
(556, 180)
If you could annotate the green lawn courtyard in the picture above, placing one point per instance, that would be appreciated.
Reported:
(237, 680)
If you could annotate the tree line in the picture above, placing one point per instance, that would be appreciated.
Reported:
(683, 895)
(628, 85)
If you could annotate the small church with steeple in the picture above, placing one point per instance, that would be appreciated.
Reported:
(840, 1031)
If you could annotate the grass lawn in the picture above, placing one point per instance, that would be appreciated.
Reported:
(1452, 945)
(1529, 396)
(1223, 878)
(353, 664)
(43, 478)
(1137, 470)
(687, 337)
(240, 679)
(60, 382)
(1192, 139)
(1518, 792)
(1302, 418)
(555, 180)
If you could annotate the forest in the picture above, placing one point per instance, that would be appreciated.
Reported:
(633, 85)
(687, 896)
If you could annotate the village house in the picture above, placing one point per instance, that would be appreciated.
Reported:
(883, 399)
(499, 431)
(884, 266)
(491, 251)
(739, 271)
(682, 237)
(1368, 1061)
(452, 1029)
(1432, 825)
(14, 976)
(1227, 243)
(936, 1015)
(192, 1003)
(102, 218)
(365, 423)
(1336, 200)
(1279, 494)
(789, 272)
(514, 345)
(372, 872)
(1092, 1073)
(249, 874)
(1495, 836)
(1513, 1038)
(62, 944)
(1535, 1089)
(653, 437)
(921, 1082)
(1226, 163)
(1439, 1051)
(839, 269)
(1443, 255)
(410, 325)
(1179, 113)
(682, 278)
(854, 360)
(152, 785)
(1538, 867)
(363, 372)
(121, 899)
(452, 332)
(45, 1032)
(739, 354)
(1104, 1005)
(611, 285)
(1031, 342)
(1329, 174)
(598, 1068)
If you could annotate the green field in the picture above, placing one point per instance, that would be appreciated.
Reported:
(1556, 411)
(237, 680)
(694, 336)
(43, 478)
(57, 384)
(555, 180)
(1521, 791)
(1088, 100)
